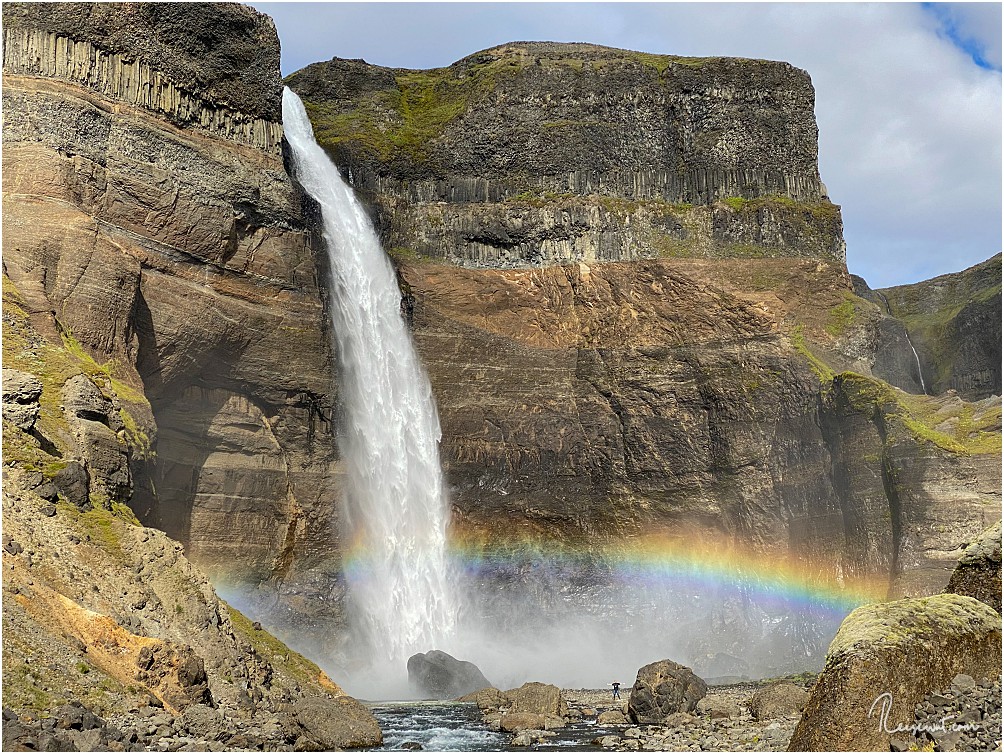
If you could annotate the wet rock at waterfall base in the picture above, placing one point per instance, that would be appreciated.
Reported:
(537, 698)
(437, 675)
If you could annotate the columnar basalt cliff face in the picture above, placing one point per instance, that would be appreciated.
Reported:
(539, 153)
(148, 218)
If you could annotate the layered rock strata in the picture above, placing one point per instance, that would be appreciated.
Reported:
(688, 385)
(614, 400)
(542, 153)
(149, 220)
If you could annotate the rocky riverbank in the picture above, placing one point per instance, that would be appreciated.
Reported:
(723, 721)
(749, 716)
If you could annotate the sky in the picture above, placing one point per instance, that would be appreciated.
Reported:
(908, 95)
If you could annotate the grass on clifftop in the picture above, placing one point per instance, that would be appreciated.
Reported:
(947, 422)
(404, 120)
(821, 210)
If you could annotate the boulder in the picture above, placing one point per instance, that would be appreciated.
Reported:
(175, 673)
(517, 721)
(978, 574)
(531, 737)
(551, 722)
(778, 700)
(203, 722)
(95, 422)
(488, 700)
(84, 400)
(611, 717)
(438, 675)
(678, 720)
(21, 392)
(885, 659)
(338, 723)
(72, 482)
(663, 688)
(538, 698)
(19, 387)
(718, 708)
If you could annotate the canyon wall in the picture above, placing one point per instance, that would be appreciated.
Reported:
(621, 270)
(149, 221)
(165, 356)
(629, 287)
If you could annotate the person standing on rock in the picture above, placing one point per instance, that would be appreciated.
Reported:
(617, 689)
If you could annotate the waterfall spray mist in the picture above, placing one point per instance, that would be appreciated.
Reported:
(401, 593)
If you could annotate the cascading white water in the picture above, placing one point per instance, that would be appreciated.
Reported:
(920, 372)
(401, 592)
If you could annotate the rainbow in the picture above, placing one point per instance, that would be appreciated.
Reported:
(691, 564)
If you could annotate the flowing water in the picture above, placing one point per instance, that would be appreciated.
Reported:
(395, 510)
(920, 372)
(449, 726)
(436, 726)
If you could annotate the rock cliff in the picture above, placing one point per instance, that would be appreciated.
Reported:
(104, 613)
(541, 153)
(614, 400)
(165, 353)
(149, 221)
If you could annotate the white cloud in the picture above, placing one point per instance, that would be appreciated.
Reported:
(910, 126)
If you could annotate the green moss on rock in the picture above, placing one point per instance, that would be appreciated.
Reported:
(924, 418)
(278, 654)
(901, 651)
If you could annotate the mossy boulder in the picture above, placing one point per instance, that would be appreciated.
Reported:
(978, 573)
(884, 660)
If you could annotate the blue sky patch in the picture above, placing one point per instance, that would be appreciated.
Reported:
(961, 24)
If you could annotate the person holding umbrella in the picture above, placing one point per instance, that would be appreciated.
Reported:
(617, 689)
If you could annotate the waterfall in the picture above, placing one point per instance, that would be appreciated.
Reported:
(920, 372)
(401, 594)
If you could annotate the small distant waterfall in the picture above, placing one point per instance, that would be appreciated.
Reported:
(401, 593)
(916, 358)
